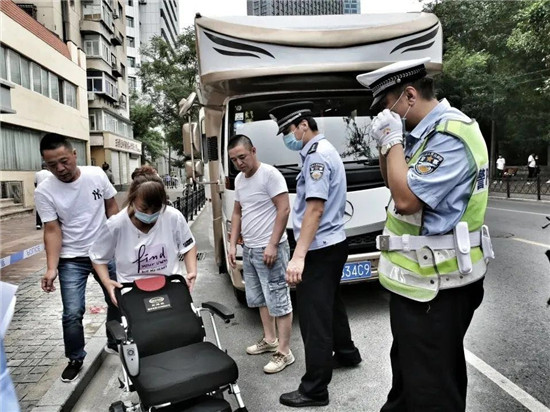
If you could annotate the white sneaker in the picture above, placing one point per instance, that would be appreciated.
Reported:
(278, 362)
(263, 346)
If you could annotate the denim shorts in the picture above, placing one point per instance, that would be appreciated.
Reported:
(267, 286)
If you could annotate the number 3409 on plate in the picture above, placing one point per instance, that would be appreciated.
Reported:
(356, 270)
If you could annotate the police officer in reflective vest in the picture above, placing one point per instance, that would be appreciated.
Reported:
(434, 248)
(319, 256)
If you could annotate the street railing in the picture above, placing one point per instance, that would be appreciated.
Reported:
(191, 201)
(511, 185)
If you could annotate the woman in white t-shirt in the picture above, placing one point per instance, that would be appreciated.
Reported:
(146, 238)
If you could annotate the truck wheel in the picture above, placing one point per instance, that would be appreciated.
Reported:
(240, 295)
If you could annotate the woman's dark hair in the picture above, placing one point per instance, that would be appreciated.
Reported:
(144, 170)
(149, 187)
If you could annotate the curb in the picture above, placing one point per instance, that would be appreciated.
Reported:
(62, 396)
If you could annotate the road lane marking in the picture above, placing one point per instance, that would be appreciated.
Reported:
(517, 211)
(508, 386)
(530, 242)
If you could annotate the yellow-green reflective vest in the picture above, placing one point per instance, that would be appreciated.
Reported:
(420, 274)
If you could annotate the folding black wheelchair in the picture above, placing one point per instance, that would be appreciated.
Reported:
(163, 350)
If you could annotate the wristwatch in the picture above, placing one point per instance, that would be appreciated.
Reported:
(385, 149)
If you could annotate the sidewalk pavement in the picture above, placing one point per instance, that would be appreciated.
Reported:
(34, 341)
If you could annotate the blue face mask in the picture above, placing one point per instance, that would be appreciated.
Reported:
(146, 218)
(291, 143)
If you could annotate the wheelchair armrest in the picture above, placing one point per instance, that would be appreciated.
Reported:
(116, 330)
(219, 309)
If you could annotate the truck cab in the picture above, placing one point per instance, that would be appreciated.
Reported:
(249, 65)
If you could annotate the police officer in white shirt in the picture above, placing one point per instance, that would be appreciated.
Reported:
(320, 254)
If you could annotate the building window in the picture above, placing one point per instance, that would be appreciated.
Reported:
(44, 82)
(131, 61)
(54, 87)
(93, 123)
(36, 83)
(91, 47)
(25, 73)
(19, 148)
(123, 70)
(3, 63)
(15, 67)
(131, 41)
(131, 3)
(69, 94)
(129, 21)
(132, 84)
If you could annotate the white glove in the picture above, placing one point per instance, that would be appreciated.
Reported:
(386, 128)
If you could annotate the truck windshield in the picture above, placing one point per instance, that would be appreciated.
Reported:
(343, 117)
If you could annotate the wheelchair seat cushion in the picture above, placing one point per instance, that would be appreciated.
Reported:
(183, 373)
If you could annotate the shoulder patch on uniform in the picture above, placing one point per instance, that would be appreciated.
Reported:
(427, 163)
(316, 170)
(313, 148)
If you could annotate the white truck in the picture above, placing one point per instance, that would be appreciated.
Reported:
(250, 64)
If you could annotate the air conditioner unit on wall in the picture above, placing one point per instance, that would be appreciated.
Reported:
(91, 95)
(115, 16)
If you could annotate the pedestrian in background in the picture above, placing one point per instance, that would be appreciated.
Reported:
(531, 165)
(260, 214)
(73, 206)
(501, 163)
(146, 238)
(320, 254)
(434, 160)
(39, 177)
(106, 168)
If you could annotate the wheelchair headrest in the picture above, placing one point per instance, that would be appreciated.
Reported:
(151, 284)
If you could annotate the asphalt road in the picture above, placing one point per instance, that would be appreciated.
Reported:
(506, 345)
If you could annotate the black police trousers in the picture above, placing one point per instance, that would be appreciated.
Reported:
(323, 319)
(427, 354)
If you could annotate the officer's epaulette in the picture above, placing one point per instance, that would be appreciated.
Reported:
(313, 148)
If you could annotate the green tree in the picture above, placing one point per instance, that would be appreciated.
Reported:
(168, 74)
(491, 73)
(144, 121)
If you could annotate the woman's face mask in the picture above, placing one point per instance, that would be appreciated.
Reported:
(147, 218)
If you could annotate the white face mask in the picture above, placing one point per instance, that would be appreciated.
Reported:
(404, 118)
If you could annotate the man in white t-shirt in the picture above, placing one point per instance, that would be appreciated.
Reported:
(500, 166)
(39, 177)
(260, 215)
(73, 207)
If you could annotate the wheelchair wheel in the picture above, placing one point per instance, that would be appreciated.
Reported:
(117, 407)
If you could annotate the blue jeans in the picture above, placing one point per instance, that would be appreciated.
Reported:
(73, 275)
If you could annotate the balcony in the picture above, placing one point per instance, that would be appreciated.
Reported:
(117, 40)
(116, 71)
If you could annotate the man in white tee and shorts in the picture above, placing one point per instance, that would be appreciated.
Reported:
(73, 205)
(260, 215)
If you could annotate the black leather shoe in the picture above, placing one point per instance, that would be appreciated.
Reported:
(298, 400)
(338, 362)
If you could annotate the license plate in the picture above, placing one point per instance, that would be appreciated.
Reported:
(356, 270)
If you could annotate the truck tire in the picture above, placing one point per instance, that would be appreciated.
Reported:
(240, 295)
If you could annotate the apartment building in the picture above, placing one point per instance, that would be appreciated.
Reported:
(144, 20)
(98, 27)
(43, 90)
